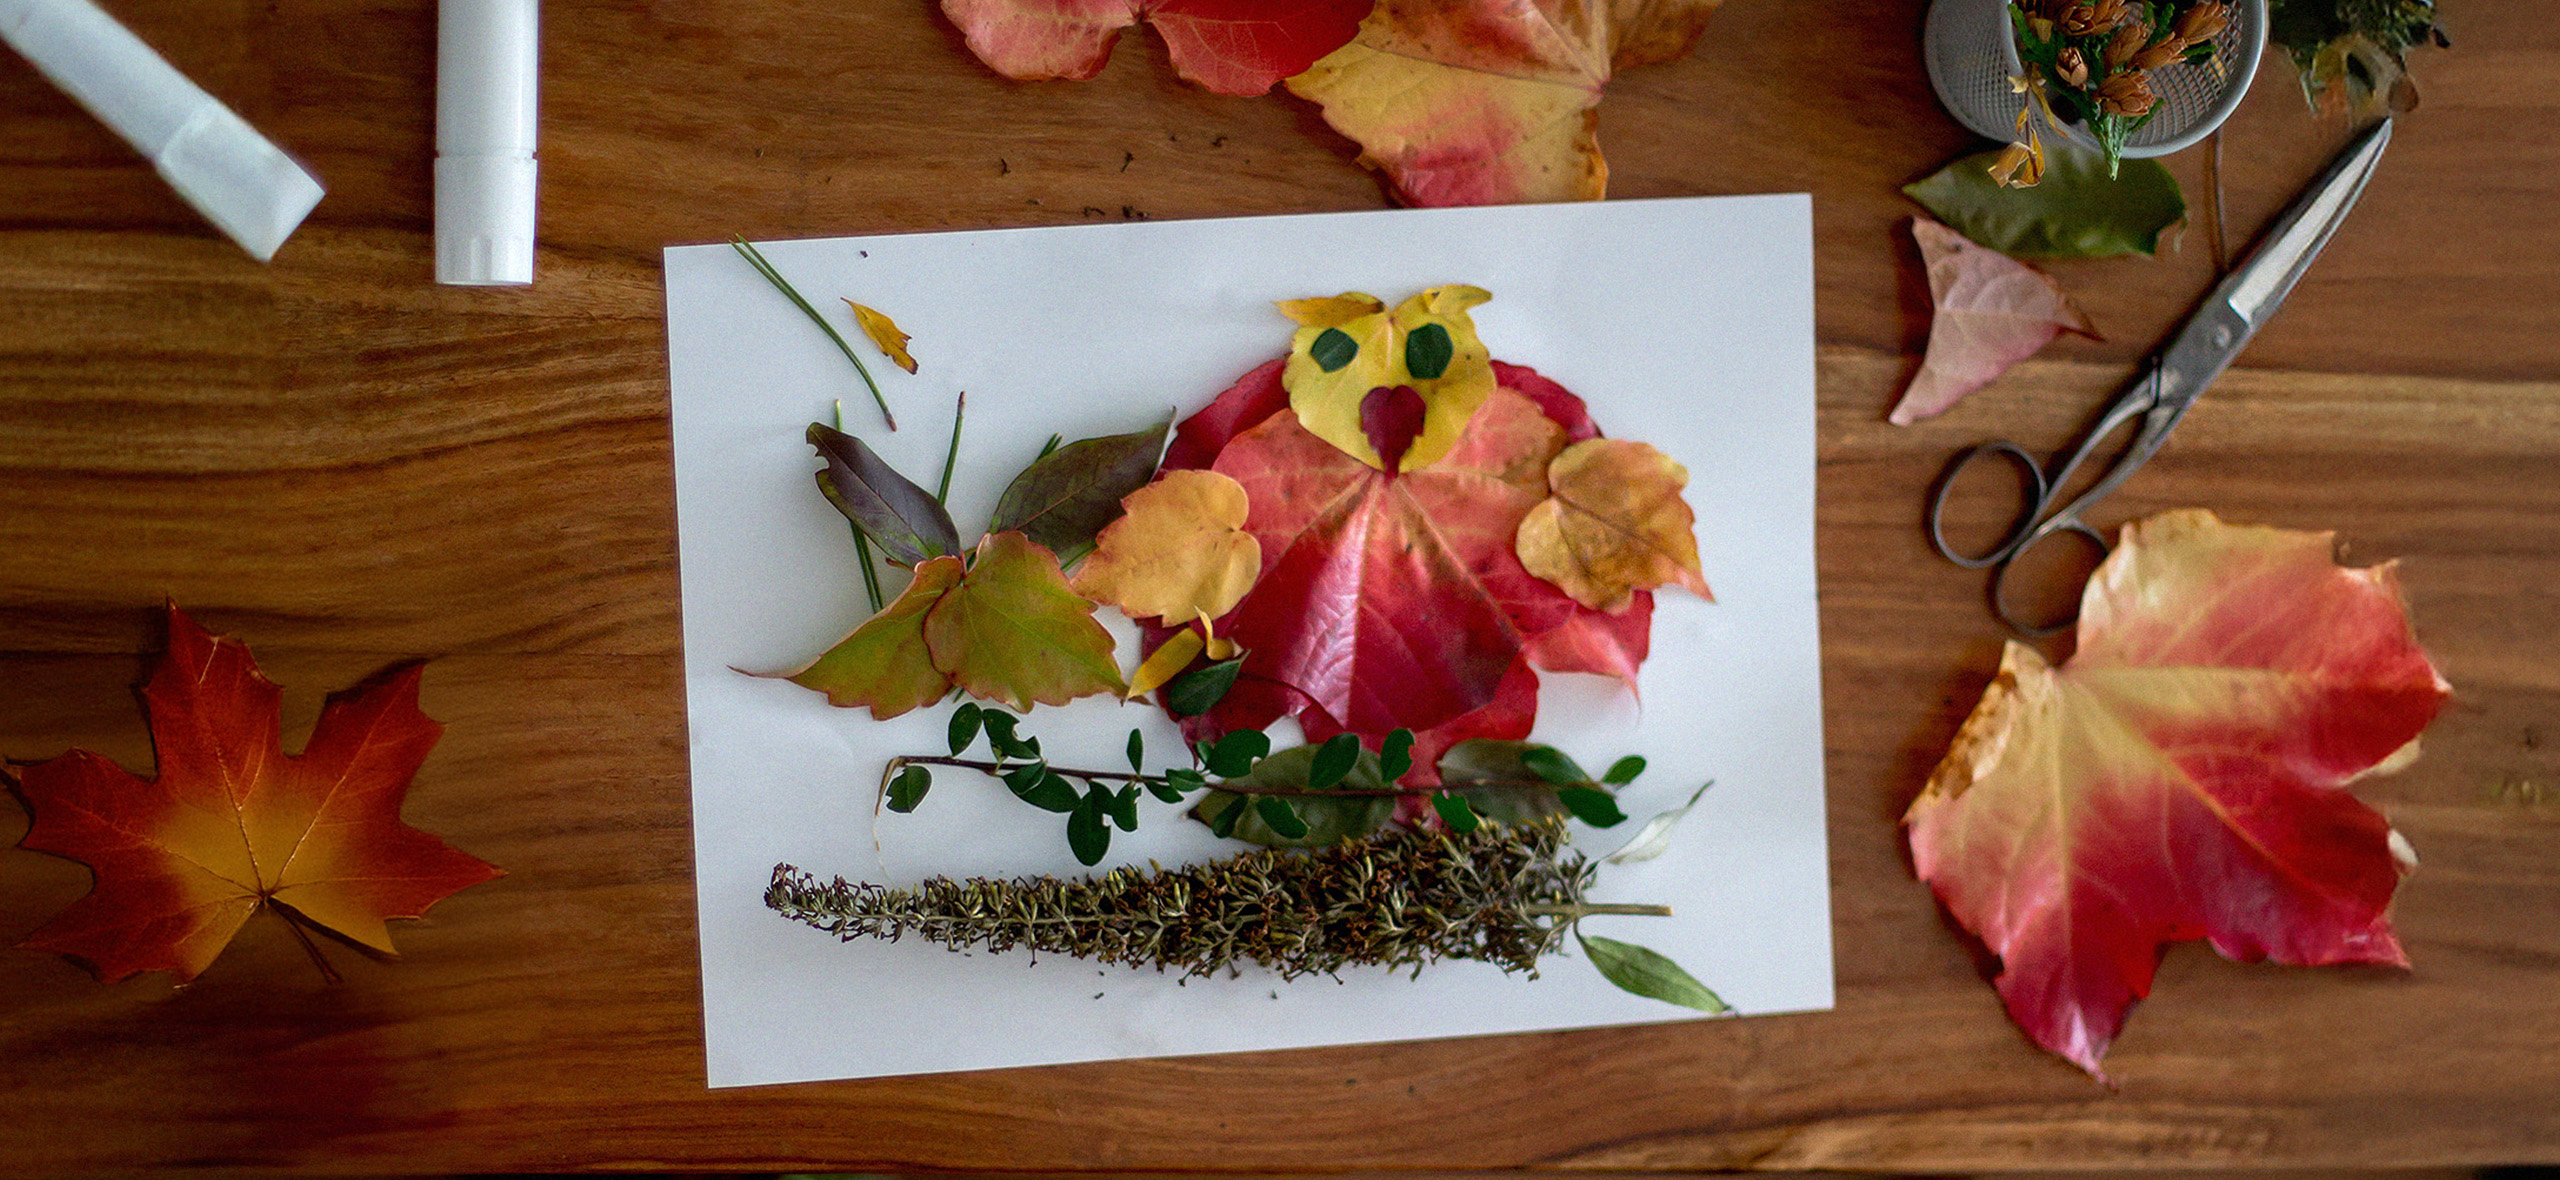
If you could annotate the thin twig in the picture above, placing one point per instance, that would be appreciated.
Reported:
(755, 258)
(293, 923)
(2213, 199)
(1231, 786)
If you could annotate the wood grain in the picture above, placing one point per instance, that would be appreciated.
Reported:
(346, 466)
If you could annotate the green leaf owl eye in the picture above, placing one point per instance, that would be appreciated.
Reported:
(1332, 349)
(1428, 351)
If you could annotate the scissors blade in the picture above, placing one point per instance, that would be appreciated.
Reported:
(2248, 297)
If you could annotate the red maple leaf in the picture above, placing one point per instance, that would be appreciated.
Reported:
(1398, 600)
(231, 824)
(2181, 777)
(1228, 46)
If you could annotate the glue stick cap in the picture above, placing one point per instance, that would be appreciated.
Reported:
(484, 219)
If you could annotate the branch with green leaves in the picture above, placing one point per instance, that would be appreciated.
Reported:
(1302, 797)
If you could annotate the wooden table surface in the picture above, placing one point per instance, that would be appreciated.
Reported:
(346, 465)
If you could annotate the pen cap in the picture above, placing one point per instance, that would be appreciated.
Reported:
(487, 72)
(487, 75)
(484, 220)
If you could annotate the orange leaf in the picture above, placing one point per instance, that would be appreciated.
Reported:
(1012, 631)
(231, 824)
(1228, 46)
(885, 664)
(1992, 312)
(1178, 552)
(1479, 102)
(1615, 524)
(884, 332)
(2180, 777)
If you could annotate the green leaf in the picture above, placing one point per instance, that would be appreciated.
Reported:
(1012, 630)
(1490, 775)
(1137, 752)
(908, 789)
(1065, 497)
(1454, 812)
(1332, 349)
(1395, 754)
(1624, 770)
(1233, 756)
(2074, 212)
(964, 726)
(1648, 973)
(1329, 818)
(1051, 793)
(1000, 734)
(1185, 779)
(1428, 351)
(1553, 765)
(1123, 806)
(1199, 690)
(1333, 760)
(1022, 778)
(1281, 818)
(1165, 791)
(1227, 811)
(887, 664)
(906, 521)
(1591, 805)
(1089, 835)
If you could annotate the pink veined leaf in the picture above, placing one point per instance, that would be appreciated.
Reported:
(2182, 776)
(1238, 47)
(1991, 312)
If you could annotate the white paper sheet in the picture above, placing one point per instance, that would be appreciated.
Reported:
(1685, 323)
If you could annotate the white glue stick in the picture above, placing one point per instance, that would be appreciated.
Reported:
(487, 67)
(217, 162)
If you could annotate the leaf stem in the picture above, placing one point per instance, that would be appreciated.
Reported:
(951, 457)
(862, 543)
(1580, 910)
(756, 259)
(293, 922)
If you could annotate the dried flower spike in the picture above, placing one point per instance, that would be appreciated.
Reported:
(1504, 893)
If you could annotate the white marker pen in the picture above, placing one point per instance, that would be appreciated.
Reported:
(487, 67)
(220, 164)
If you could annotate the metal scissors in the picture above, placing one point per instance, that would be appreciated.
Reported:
(2171, 381)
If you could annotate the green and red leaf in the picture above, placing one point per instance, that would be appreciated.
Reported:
(2181, 776)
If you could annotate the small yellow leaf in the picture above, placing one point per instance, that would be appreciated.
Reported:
(1178, 552)
(1168, 659)
(1381, 384)
(884, 332)
(1615, 524)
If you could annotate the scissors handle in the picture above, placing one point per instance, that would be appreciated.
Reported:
(2020, 533)
(2056, 526)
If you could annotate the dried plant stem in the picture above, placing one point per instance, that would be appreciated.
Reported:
(1504, 893)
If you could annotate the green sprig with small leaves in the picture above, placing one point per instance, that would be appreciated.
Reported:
(1305, 796)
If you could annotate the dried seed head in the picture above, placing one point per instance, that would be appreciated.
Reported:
(2158, 55)
(2128, 41)
(2201, 23)
(2073, 66)
(2128, 95)
(2094, 16)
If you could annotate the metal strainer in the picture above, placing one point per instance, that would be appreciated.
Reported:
(1971, 56)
